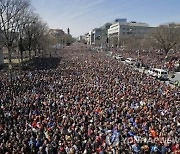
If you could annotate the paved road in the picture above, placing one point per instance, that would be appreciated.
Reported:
(177, 77)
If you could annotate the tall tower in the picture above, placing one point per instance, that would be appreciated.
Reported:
(68, 31)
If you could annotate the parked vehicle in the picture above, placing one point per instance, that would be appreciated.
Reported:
(122, 59)
(119, 57)
(158, 73)
(130, 61)
(151, 72)
(138, 64)
(175, 83)
(176, 64)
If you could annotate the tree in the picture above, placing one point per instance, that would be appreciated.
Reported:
(165, 38)
(46, 44)
(133, 42)
(1, 41)
(30, 33)
(1, 48)
(11, 12)
(69, 39)
(40, 36)
(22, 45)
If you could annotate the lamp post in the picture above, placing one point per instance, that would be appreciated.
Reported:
(138, 56)
(10, 72)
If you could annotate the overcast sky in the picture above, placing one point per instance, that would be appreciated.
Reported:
(81, 16)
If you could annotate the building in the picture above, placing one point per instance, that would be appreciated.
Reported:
(172, 25)
(60, 37)
(86, 38)
(82, 39)
(98, 36)
(56, 32)
(95, 34)
(121, 29)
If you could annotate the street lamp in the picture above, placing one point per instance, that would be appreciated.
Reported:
(10, 71)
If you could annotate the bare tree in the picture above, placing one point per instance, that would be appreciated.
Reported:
(165, 38)
(30, 33)
(24, 21)
(40, 35)
(37, 36)
(46, 44)
(133, 42)
(1, 41)
(11, 12)
(1, 48)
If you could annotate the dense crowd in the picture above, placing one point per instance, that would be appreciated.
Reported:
(153, 58)
(89, 104)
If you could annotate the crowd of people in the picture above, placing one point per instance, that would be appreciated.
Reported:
(153, 58)
(89, 104)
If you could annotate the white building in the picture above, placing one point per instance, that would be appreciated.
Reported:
(87, 38)
(95, 34)
(98, 36)
(81, 37)
(123, 29)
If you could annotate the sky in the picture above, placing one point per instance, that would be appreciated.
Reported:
(81, 16)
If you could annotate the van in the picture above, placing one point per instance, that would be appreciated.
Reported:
(159, 73)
